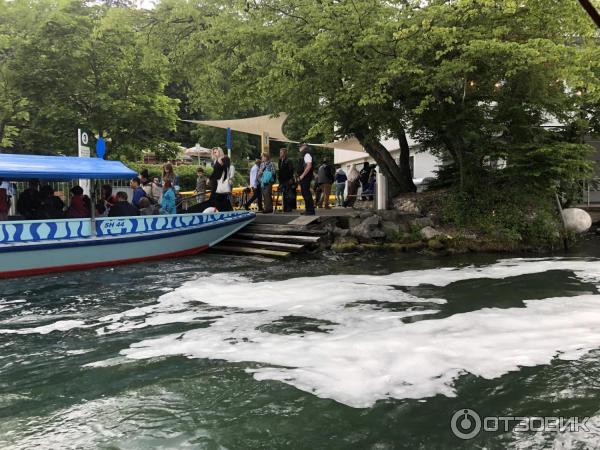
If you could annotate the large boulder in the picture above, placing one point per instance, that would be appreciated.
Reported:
(368, 230)
(429, 233)
(576, 220)
(421, 222)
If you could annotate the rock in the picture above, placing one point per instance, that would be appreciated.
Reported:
(344, 244)
(421, 222)
(406, 205)
(340, 232)
(371, 221)
(577, 220)
(428, 233)
(435, 244)
(366, 214)
(391, 229)
(390, 215)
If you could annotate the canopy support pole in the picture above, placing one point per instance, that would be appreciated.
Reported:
(93, 209)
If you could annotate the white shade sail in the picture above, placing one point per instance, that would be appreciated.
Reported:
(272, 125)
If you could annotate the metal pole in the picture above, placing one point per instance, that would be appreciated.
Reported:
(93, 210)
(229, 143)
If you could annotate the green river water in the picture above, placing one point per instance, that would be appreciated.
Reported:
(370, 351)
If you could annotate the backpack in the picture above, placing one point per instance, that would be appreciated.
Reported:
(268, 176)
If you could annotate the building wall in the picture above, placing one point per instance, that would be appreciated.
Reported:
(425, 164)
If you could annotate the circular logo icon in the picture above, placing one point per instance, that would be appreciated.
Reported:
(84, 138)
(465, 424)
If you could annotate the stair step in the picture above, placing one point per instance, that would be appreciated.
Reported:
(250, 250)
(267, 244)
(283, 229)
(279, 237)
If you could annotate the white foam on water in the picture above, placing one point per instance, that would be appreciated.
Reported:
(61, 325)
(368, 353)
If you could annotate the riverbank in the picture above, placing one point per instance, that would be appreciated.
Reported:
(421, 223)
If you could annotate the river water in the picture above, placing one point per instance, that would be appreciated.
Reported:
(373, 351)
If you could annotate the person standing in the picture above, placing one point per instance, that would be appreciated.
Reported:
(168, 204)
(305, 175)
(325, 177)
(138, 191)
(340, 186)
(286, 181)
(200, 185)
(169, 174)
(255, 186)
(266, 174)
(365, 174)
(353, 183)
(222, 172)
(151, 188)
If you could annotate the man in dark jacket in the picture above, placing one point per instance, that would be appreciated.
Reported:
(365, 174)
(123, 207)
(305, 175)
(287, 187)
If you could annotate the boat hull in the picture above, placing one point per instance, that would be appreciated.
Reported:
(55, 246)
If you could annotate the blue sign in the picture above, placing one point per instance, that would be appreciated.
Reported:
(228, 138)
(100, 147)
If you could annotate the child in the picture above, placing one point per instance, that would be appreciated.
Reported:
(200, 185)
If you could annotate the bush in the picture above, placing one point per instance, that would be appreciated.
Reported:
(506, 213)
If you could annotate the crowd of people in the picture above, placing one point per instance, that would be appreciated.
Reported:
(212, 193)
(40, 202)
(306, 174)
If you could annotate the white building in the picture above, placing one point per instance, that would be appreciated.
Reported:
(423, 163)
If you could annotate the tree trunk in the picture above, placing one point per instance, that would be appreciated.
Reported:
(397, 183)
(407, 177)
(591, 10)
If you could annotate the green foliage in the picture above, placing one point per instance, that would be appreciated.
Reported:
(505, 212)
(76, 65)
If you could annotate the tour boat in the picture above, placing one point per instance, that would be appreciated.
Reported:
(31, 247)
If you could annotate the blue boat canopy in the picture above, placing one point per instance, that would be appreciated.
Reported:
(60, 168)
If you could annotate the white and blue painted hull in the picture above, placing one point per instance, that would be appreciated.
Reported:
(42, 246)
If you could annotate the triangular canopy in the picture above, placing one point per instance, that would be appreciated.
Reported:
(60, 168)
(273, 125)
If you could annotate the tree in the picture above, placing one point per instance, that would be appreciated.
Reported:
(90, 66)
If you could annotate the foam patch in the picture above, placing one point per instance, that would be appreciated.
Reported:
(361, 353)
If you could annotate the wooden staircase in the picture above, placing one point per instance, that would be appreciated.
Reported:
(276, 236)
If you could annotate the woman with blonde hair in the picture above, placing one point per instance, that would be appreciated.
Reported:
(222, 171)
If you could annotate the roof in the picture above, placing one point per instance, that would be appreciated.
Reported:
(24, 167)
(272, 125)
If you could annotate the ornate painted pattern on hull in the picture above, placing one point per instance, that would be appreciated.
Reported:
(51, 230)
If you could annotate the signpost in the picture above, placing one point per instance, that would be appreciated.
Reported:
(83, 150)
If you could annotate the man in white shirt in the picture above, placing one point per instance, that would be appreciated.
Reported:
(305, 177)
(255, 185)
